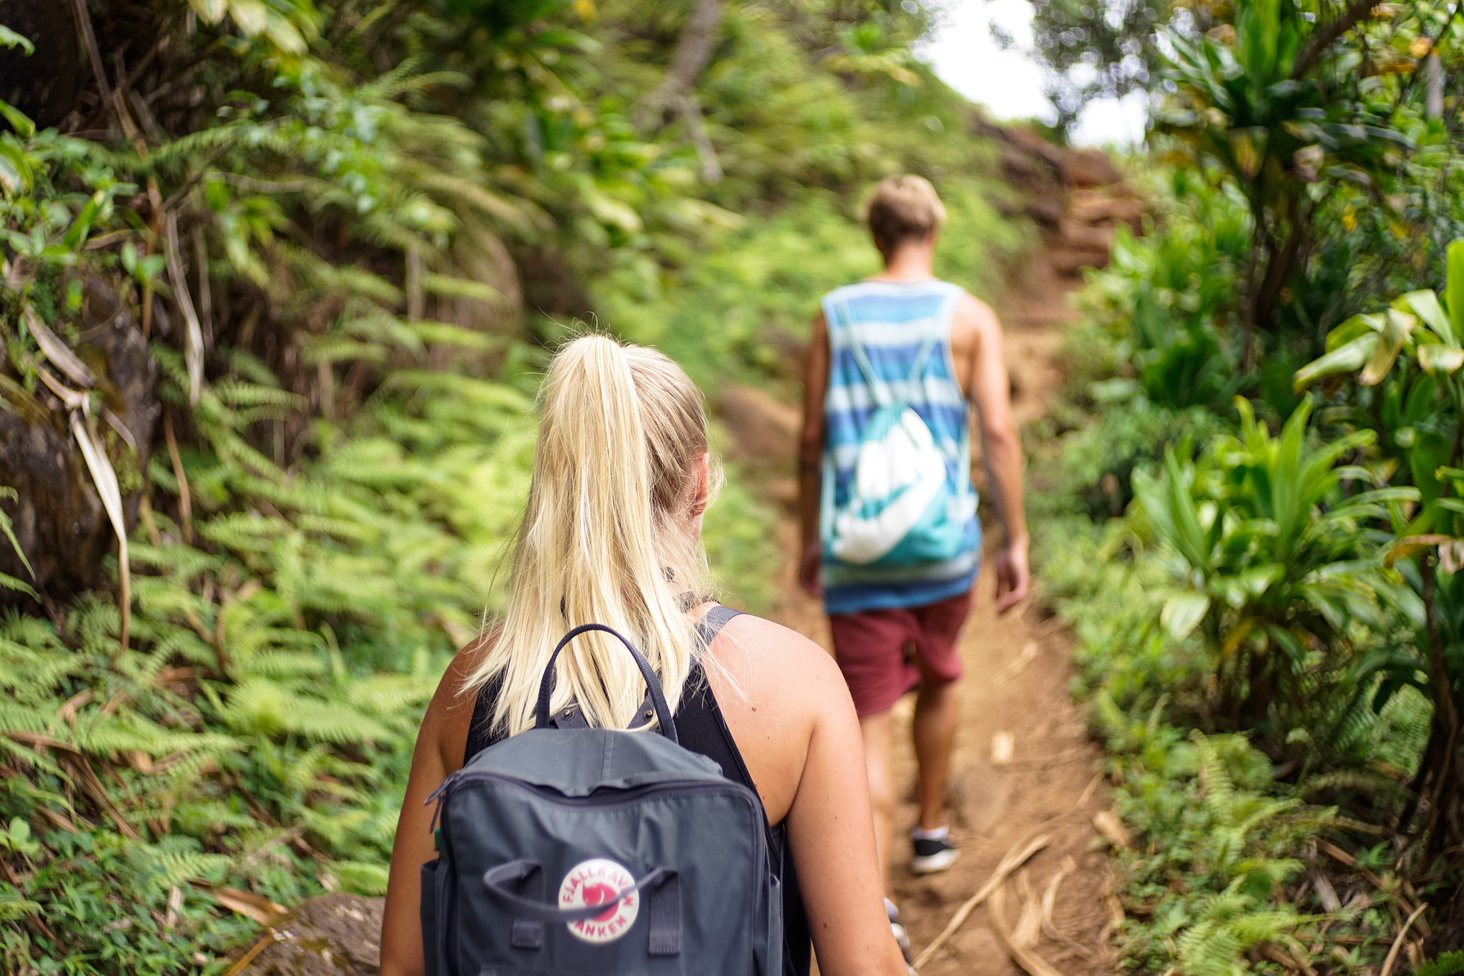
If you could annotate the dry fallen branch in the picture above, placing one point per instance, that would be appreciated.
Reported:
(1288, 960)
(1342, 857)
(1024, 957)
(1016, 665)
(56, 351)
(1008, 864)
(104, 479)
(1049, 896)
(185, 496)
(256, 908)
(1112, 829)
(1014, 859)
(1398, 942)
(242, 963)
(193, 333)
(1028, 930)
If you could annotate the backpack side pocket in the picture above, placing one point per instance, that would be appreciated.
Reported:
(436, 910)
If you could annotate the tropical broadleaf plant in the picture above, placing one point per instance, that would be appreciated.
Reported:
(1275, 103)
(1409, 393)
(1274, 567)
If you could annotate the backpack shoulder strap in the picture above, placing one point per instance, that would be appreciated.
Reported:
(712, 623)
(922, 356)
(877, 388)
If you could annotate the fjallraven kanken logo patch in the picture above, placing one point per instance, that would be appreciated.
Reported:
(596, 882)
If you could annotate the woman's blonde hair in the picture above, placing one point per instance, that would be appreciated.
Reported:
(609, 536)
(903, 208)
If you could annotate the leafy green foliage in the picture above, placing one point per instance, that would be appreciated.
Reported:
(1164, 296)
(1271, 566)
(1304, 106)
(272, 695)
(1295, 578)
(1410, 400)
(324, 246)
(1099, 50)
(1448, 964)
(1224, 854)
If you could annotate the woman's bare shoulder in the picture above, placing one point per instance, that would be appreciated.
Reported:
(777, 665)
(450, 712)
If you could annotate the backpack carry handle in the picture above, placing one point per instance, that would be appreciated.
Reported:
(530, 914)
(653, 685)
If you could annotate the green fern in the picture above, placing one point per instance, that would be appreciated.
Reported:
(20, 718)
(172, 862)
(362, 877)
(1215, 780)
(13, 908)
(1449, 964)
(1229, 925)
(261, 707)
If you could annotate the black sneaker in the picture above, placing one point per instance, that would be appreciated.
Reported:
(933, 854)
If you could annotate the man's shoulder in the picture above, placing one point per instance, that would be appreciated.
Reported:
(974, 315)
(843, 291)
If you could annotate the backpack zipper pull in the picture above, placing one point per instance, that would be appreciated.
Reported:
(438, 795)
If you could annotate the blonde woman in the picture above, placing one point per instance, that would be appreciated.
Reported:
(611, 535)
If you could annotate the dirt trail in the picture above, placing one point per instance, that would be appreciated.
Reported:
(1018, 671)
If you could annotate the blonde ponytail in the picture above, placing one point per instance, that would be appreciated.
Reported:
(609, 536)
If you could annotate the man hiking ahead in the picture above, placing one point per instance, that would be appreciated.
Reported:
(888, 514)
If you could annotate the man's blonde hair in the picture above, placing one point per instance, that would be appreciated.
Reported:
(903, 208)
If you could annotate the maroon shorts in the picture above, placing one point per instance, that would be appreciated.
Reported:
(886, 653)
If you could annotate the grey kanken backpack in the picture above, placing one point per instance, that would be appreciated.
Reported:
(598, 851)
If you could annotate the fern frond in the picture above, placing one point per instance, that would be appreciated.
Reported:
(391, 694)
(261, 707)
(18, 585)
(1217, 786)
(245, 532)
(281, 664)
(168, 866)
(200, 818)
(1449, 964)
(15, 717)
(13, 908)
(361, 877)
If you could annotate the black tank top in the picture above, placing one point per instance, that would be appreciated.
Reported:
(702, 729)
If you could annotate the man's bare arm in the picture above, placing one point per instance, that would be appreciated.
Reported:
(810, 452)
(1001, 449)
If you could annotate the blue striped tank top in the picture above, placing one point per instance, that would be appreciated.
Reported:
(891, 321)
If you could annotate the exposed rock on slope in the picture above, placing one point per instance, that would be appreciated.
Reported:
(333, 935)
(1077, 196)
(60, 523)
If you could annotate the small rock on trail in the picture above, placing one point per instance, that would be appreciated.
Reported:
(332, 935)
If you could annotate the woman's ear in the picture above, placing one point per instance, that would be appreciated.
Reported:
(701, 483)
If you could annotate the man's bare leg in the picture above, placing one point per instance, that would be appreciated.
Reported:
(878, 749)
(937, 714)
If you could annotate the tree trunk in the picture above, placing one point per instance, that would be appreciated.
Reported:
(1445, 822)
(46, 84)
(693, 51)
(1323, 37)
(1280, 264)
